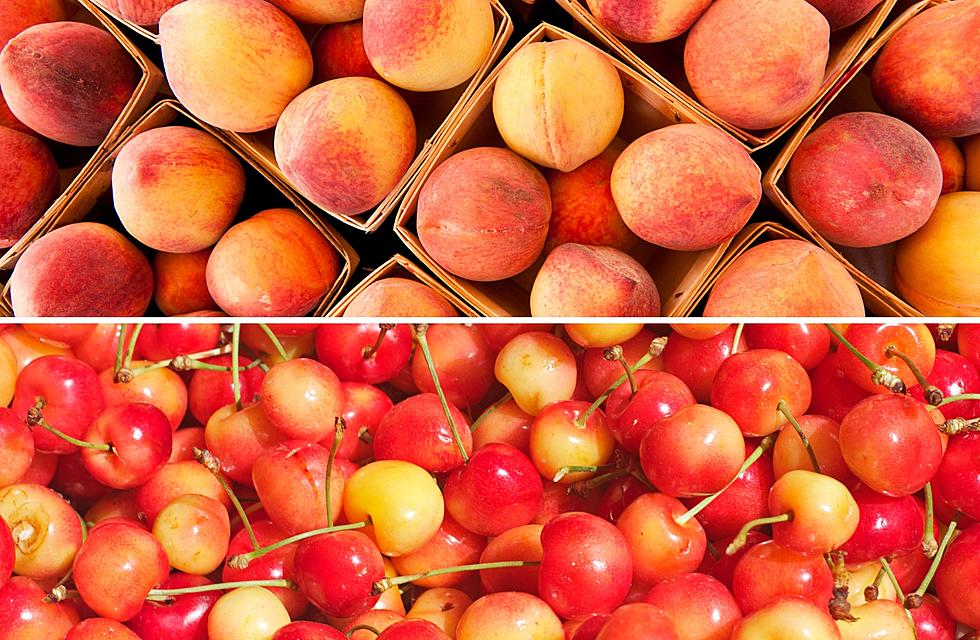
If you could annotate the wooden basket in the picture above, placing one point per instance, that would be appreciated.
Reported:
(98, 182)
(74, 177)
(677, 274)
(663, 63)
(399, 266)
(434, 112)
(871, 267)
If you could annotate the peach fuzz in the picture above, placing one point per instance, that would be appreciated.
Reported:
(181, 285)
(952, 162)
(29, 183)
(582, 206)
(757, 64)
(346, 143)
(142, 12)
(578, 280)
(865, 179)
(322, 11)
(17, 15)
(538, 105)
(483, 214)
(686, 187)
(338, 52)
(427, 46)
(177, 189)
(935, 267)
(399, 298)
(844, 13)
(924, 74)
(82, 269)
(784, 278)
(276, 263)
(654, 21)
(67, 81)
(219, 64)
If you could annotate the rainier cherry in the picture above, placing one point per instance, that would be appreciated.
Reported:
(892, 347)
(570, 440)
(700, 607)
(632, 415)
(46, 531)
(131, 443)
(337, 572)
(519, 543)
(26, 614)
(185, 618)
(16, 447)
(301, 398)
(538, 369)
(368, 353)
(788, 619)
(249, 613)
(416, 430)
(640, 621)
(697, 361)
(509, 616)
(662, 546)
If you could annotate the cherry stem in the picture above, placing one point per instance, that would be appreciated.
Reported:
(914, 599)
(194, 365)
(420, 331)
(36, 419)
(583, 487)
(879, 374)
(887, 568)
(871, 591)
(131, 349)
(962, 396)
(712, 549)
(274, 339)
(930, 391)
(656, 347)
(929, 544)
(387, 583)
(764, 446)
(956, 426)
(338, 434)
(368, 352)
(784, 409)
(181, 362)
(361, 627)
(120, 346)
(210, 462)
(564, 471)
(496, 405)
(242, 560)
(839, 607)
(615, 354)
(742, 538)
(167, 595)
(249, 510)
(738, 337)
(236, 383)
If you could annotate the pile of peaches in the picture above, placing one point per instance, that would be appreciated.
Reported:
(425, 482)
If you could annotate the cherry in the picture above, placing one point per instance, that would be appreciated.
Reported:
(194, 531)
(47, 532)
(957, 482)
(100, 347)
(808, 344)
(337, 572)
(451, 546)
(167, 341)
(276, 564)
(619, 493)
(16, 447)
(887, 527)
(823, 435)
(640, 621)
(877, 619)
(570, 440)
(363, 627)
(700, 607)
(369, 353)
(600, 372)
(183, 618)
(953, 375)
(100, 629)
(968, 342)
(660, 545)
(301, 397)
(658, 395)
(463, 361)
(7, 553)
(722, 566)
(162, 388)
(239, 438)
(538, 369)
(557, 499)
(416, 430)
(932, 622)
(787, 619)
(696, 361)
(134, 442)
(209, 391)
(73, 480)
(882, 344)
(364, 407)
(249, 613)
(303, 630)
(60, 334)
(768, 572)
(504, 422)
(185, 441)
(833, 393)
(958, 576)
(42, 469)
(822, 513)
(498, 335)
(25, 614)
(520, 543)
(587, 629)
(174, 480)
(508, 616)
(413, 630)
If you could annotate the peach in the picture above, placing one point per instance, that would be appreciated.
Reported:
(322, 11)
(865, 179)
(578, 280)
(67, 80)
(346, 143)
(539, 108)
(276, 263)
(686, 187)
(971, 157)
(427, 46)
(17, 15)
(582, 206)
(338, 52)
(844, 13)
(652, 21)
(483, 214)
(927, 74)
(82, 269)
(177, 189)
(28, 183)
(399, 298)
(181, 283)
(935, 267)
(952, 163)
(142, 12)
(783, 278)
(9, 120)
(758, 64)
(220, 66)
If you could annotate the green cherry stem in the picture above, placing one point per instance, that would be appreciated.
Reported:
(743, 534)
(368, 352)
(120, 347)
(210, 462)
(879, 374)
(36, 419)
(496, 405)
(338, 434)
(784, 409)
(962, 396)
(615, 354)
(167, 595)
(242, 560)
(738, 337)
(274, 339)
(914, 599)
(131, 349)
(887, 568)
(423, 342)
(387, 583)
(930, 391)
(656, 348)
(236, 383)
(929, 544)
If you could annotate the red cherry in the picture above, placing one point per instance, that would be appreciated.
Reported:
(599, 373)
(498, 335)
(699, 606)
(167, 341)
(808, 344)
(887, 527)
(308, 631)
(76, 483)
(301, 397)
(25, 615)
(100, 629)
(660, 546)
(352, 351)
(337, 572)
(619, 494)
(968, 342)
(722, 568)
(186, 618)
(7, 554)
(416, 430)
(875, 340)
(16, 447)
(658, 395)
(932, 622)
(364, 407)
(415, 629)
(463, 361)
(768, 572)
(696, 361)
(141, 440)
(833, 393)
(957, 482)
(953, 375)
(273, 565)
(958, 576)
(98, 349)
(209, 391)
(519, 543)
(639, 621)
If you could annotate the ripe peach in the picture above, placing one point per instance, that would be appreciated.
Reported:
(28, 183)
(647, 21)
(17, 15)
(427, 46)
(142, 12)
(922, 75)
(483, 214)
(582, 206)
(758, 63)
(82, 269)
(785, 278)
(932, 267)
(322, 11)
(538, 105)
(584, 281)
(971, 155)
(276, 263)
(219, 63)
(686, 187)
(952, 163)
(181, 283)
(338, 52)
(9, 120)
(346, 143)
(844, 13)
(865, 179)
(399, 297)
(177, 189)
(67, 80)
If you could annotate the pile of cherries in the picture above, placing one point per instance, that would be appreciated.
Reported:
(489, 482)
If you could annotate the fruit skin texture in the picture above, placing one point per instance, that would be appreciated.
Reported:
(865, 179)
(952, 161)
(346, 143)
(399, 297)
(957, 482)
(82, 269)
(930, 268)
(177, 189)
(788, 619)
(338, 52)
(655, 21)
(686, 187)
(757, 64)
(24, 615)
(276, 263)
(578, 280)
(67, 80)
(921, 74)
(538, 106)
(483, 214)
(29, 183)
(768, 572)
(219, 65)
(427, 46)
(957, 578)
(17, 15)
(785, 278)
(180, 283)
(844, 13)
(250, 613)
(508, 616)
(142, 12)
(322, 11)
